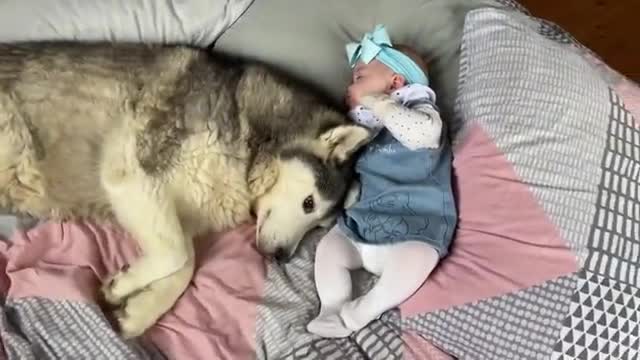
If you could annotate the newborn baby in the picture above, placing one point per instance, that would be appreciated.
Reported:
(402, 222)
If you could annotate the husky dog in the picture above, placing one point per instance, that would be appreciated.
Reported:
(170, 142)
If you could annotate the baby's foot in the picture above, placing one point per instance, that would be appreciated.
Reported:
(356, 315)
(328, 326)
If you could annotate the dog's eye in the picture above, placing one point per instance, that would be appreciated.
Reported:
(308, 205)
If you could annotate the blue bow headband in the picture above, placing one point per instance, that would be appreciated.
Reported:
(377, 45)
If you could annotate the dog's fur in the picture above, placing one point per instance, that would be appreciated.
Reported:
(171, 142)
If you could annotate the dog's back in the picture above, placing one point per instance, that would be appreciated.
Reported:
(59, 103)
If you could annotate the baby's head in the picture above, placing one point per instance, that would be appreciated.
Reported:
(378, 77)
(378, 67)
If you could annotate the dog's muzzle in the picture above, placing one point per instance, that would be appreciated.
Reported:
(281, 256)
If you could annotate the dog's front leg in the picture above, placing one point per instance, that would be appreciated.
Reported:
(143, 309)
(143, 206)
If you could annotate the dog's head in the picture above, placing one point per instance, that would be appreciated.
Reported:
(311, 179)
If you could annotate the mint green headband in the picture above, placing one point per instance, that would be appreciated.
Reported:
(377, 45)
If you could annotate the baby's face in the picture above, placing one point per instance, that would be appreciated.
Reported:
(374, 77)
(371, 78)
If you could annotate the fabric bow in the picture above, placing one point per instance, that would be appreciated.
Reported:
(369, 47)
(377, 45)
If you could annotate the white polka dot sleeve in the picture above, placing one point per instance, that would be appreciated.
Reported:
(417, 127)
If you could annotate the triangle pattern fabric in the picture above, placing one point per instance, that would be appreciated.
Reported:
(602, 323)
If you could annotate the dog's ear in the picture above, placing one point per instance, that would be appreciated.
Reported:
(344, 140)
(263, 174)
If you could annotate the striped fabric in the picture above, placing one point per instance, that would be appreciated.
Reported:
(42, 329)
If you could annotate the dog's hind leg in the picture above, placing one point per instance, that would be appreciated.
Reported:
(146, 210)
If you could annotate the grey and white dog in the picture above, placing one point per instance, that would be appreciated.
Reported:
(171, 142)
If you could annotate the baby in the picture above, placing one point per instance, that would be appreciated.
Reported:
(403, 220)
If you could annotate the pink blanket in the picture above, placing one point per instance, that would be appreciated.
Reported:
(228, 312)
(215, 316)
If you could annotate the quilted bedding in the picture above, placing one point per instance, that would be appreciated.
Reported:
(545, 263)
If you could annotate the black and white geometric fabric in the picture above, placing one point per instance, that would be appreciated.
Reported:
(604, 321)
(614, 247)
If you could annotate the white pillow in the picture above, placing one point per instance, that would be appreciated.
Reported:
(192, 22)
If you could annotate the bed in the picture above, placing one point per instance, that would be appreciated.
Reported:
(546, 258)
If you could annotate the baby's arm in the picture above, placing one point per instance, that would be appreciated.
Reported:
(417, 127)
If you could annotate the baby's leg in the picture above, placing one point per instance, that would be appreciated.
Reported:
(403, 267)
(335, 256)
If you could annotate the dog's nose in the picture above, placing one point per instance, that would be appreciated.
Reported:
(281, 255)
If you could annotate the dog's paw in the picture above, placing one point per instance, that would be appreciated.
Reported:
(115, 290)
(129, 325)
(142, 307)
(137, 314)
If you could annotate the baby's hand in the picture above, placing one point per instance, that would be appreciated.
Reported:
(354, 95)
(356, 92)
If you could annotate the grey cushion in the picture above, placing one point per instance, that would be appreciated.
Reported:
(307, 37)
(194, 22)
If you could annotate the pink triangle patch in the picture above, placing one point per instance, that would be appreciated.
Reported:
(630, 94)
(504, 241)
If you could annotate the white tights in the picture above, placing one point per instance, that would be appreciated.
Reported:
(402, 268)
